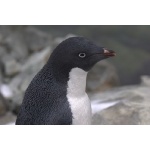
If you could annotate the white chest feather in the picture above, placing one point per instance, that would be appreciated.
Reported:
(77, 97)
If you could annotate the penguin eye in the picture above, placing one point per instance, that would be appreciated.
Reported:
(82, 55)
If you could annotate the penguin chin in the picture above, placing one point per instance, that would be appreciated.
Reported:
(88, 67)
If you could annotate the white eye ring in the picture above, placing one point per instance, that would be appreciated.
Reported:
(82, 55)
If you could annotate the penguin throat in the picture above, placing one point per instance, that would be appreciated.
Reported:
(76, 83)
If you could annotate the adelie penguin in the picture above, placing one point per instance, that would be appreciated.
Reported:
(56, 95)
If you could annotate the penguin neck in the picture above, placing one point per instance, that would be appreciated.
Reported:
(72, 78)
(76, 83)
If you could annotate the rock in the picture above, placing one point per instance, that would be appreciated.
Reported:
(8, 118)
(145, 80)
(0, 74)
(5, 91)
(101, 77)
(4, 32)
(5, 96)
(3, 108)
(16, 100)
(3, 51)
(16, 46)
(10, 65)
(98, 106)
(132, 106)
(35, 39)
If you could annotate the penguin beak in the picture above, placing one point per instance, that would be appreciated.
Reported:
(109, 53)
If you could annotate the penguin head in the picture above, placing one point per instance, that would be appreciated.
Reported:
(80, 52)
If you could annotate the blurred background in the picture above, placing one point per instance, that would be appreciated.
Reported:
(119, 87)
